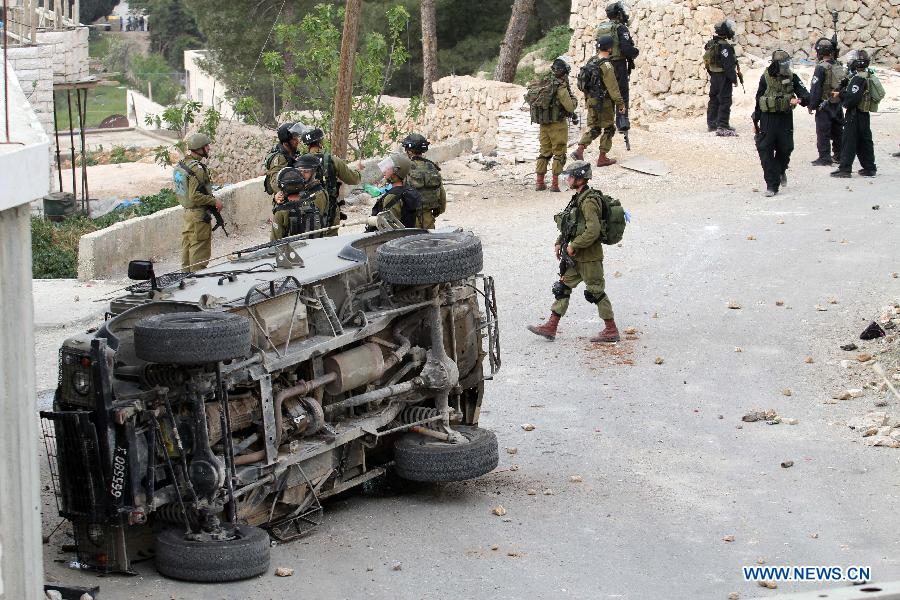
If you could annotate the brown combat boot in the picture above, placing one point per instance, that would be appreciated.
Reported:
(548, 329)
(609, 335)
(539, 185)
(554, 184)
(605, 161)
(578, 153)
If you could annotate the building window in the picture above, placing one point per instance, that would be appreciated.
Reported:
(200, 95)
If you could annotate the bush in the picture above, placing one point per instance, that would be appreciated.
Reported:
(54, 246)
(556, 42)
(155, 71)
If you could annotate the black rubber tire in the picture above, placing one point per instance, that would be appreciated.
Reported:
(213, 561)
(430, 258)
(422, 458)
(192, 338)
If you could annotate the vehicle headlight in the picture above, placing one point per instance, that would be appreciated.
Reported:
(81, 382)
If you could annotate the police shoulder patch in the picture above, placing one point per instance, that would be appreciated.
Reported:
(854, 89)
(724, 51)
(815, 79)
(625, 35)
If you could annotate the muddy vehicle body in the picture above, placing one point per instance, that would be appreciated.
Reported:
(213, 411)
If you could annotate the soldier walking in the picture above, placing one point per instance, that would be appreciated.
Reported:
(623, 51)
(552, 104)
(597, 80)
(721, 64)
(780, 90)
(857, 97)
(425, 177)
(301, 203)
(826, 79)
(193, 189)
(579, 248)
(332, 172)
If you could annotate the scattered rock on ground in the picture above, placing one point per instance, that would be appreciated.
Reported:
(528, 427)
(499, 510)
(284, 572)
(787, 464)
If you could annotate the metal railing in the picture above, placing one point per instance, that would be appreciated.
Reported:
(27, 17)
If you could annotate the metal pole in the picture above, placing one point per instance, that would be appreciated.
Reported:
(72, 140)
(56, 135)
(82, 120)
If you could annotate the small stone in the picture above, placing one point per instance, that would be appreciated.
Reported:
(814, 536)
(779, 303)
(855, 392)
(512, 450)
(780, 222)
(864, 357)
(506, 520)
(790, 421)
(850, 347)
(512, 554)
(760, 560)
(881, 403)
(721, 417)
(870, 432)
(894, 275)
(845, 395)
(751, 237)
(528, 427)
(845, 364)
(832, 300)
(769, 585)
(531, 492)
(821, 308)
(85, 596)
(734, 596)
(787, 392)
(629, 331)
(53, 595)
(284, 572)
(728, 538)
(659, 360)
(397, 567)
(499, 510)
(787, 464)
(576, 479)
(370, 568)
(77, 298)
(617, 274)
(495, 547)
(734, 305)
(738, 349)
(808, 360)
(548, 492)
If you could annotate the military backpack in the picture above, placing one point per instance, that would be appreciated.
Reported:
(610, 28)
(541, 98)
(276, 151)
(425, 177)
(834, 74)
(711, 56)
(612, 228)
(330, 182)
(874, 92)
(590, 78)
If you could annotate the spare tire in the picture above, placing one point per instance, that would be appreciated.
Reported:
(422, 458)
(245, 555)
(430, 258)
(192, 338)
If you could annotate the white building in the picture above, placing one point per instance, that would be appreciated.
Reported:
(203, 87)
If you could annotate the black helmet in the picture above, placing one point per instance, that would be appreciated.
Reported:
(415, 142)
(823, 47)
(857, 60)
(308, 161)
(284, 132)
(290, 181)
(616, 11)
(313, 136)
(725, 29)
(604, 42)
(560, 67)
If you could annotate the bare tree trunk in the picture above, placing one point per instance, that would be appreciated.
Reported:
(511, 46)
(429, 49)
(343, 97)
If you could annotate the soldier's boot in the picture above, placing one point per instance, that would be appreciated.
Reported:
(578, 153)
(539, 185)
(548, 329)
(605, 161)
(609, 335)
(823, 161)
(554, 184)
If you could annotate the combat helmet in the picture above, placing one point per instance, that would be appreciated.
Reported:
(823, 47)
(197, 141)
(725, 29)
(313, 136)
(308, 161)
(415, 142)
(560, 67)
(289, 130)
(857, 60)
(400, 163)
(579, 170)
(604, 42)
(781, 63)
(290, 181)
(617, 11)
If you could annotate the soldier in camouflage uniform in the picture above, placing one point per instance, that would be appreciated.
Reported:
(425, 177)
(332, 172)
(282, 155)
(580, 249)
(302, 203)
(597, 80)
(554, 135)
(403, 201)
(193, 189)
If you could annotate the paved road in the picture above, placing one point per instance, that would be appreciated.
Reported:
(668, 468)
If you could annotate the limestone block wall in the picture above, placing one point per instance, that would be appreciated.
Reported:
(669, 78)
(69, 48)
(33, 66)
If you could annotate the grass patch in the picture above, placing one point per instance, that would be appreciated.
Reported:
(54, 246)
(102, 101)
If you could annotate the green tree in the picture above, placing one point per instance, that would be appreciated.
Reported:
(173, 28)
(91, 10)
(153, 73)
(179, 118)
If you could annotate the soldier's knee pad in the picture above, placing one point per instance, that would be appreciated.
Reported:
(542, 157)
(610, 131)
(596, 131)
(561, 290)
(592, 298)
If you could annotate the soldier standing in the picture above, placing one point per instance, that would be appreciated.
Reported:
(780, 90)
(282, 155)
(623, 50)
(332, 172)
(721, 64)
(597, 80)
(193, 189)
(554, 128)
(582, 256)
(829, 117)
(857, 99)
(302, 202)
(403, 201)
(425, 177)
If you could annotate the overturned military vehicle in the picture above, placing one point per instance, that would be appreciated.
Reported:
(213, 411)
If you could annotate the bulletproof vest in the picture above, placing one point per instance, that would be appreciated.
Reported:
(779, 91)
(425, 177)
(183, 172)
(303, 214)
(570, 221)
(711, 56)
(278, 150)
(834, 73)
(590, 78)
(610, 28)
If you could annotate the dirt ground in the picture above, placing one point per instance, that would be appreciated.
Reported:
(676, 491)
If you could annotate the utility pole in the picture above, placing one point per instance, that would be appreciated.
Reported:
(343, 97)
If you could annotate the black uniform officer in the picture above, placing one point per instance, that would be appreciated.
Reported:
(780, 90)
(721, 65)
(857, 139)
(829, 116)
(624, 51)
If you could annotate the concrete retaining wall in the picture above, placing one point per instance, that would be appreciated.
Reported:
(33, 66)
(138, 107)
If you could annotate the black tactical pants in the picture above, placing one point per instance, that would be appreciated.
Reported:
(621, 69)
(718, 111)
(829, 129)
(857, 141)
(774, 143)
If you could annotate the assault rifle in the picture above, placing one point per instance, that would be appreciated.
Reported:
(213, 213)
(623, 124)
(834, 40)
(740, 76)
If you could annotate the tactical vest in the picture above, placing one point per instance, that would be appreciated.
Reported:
(711, 56)
(874, 92)
(303, 214)
(410, 207)
(611, 28)
(779, 92)
(276, 151)
(834, 74)
(425, 177)
(590, 78)
(183, 172)
(571, 221)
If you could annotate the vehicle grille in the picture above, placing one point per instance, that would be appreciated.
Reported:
(74, 366)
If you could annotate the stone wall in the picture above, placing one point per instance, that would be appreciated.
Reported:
(138, 107)
(69, 48)
(669, 78)
(33, 66)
